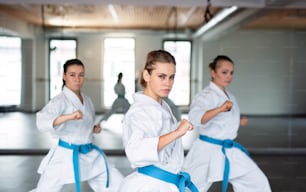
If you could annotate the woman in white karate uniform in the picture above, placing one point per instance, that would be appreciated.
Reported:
(151, 134)
(70, 117)
(215, 156)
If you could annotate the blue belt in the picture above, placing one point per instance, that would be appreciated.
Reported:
(181, 180)
(227, 143)
(82, 149)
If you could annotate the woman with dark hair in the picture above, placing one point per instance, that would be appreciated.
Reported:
(215, 156)
(151, 134)
(70, 117)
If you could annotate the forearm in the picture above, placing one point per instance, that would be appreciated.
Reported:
(166, 139)
(208, 115)
(181, 130)
(61, 119)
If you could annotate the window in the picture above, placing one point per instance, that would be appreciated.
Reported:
(181, 50)
(60, 50)
(119, 56)
(10, 70)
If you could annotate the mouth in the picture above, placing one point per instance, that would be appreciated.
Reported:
(78, 85)
(166, 91)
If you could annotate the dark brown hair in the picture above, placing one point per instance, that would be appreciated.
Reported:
(69, 63)
(215, 64)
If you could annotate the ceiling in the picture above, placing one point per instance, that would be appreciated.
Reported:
(170, 15)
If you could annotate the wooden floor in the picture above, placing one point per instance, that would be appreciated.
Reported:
(277, 144)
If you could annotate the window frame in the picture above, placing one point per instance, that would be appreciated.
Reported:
(190, 65)
(49, 57)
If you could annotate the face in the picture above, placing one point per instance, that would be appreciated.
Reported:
(223, 75)
(74, 77)
(160, 81)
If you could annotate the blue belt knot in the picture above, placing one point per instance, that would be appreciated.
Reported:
(185, 181)
(85, 148)
(181, 180)
(227, 143)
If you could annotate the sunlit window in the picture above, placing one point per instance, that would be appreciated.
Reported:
(181, 50)
(60, 50)
(10, 70)
(119, 56)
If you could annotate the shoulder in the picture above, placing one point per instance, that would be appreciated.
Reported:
(56, 104)
(144, 107)
(144, 111)
(206, 93)
(59, 99)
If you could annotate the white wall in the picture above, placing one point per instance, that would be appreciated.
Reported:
(269, 69)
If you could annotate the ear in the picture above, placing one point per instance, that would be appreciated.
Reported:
(64, 77)
(212, 73)
(146, 75)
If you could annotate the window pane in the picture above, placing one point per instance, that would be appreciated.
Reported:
(10, 70)
(119, 56)
(181, 50)
(60, 51)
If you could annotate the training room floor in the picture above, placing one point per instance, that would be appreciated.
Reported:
(277, 144)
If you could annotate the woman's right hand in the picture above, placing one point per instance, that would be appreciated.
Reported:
(77, 115)
(183, 127)
(181, 130)
(226, 106)
(63, 118)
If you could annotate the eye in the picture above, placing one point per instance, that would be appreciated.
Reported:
(172, 77)
(162, 76)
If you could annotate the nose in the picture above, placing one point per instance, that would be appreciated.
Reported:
(168, 81)
(78, 78)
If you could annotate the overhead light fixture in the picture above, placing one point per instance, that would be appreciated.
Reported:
(113, 12)
(215, 20)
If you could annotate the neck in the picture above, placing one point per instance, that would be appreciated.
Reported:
(152, 95)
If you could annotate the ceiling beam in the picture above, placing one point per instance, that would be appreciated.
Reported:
(177, 3)
(171, 3)
(221, 15)
(233, 23)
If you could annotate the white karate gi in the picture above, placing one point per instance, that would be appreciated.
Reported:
(56, 168)
(205, 161)
(143, 124)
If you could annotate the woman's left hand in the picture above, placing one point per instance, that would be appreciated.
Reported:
(244, 121)
(97, 129)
